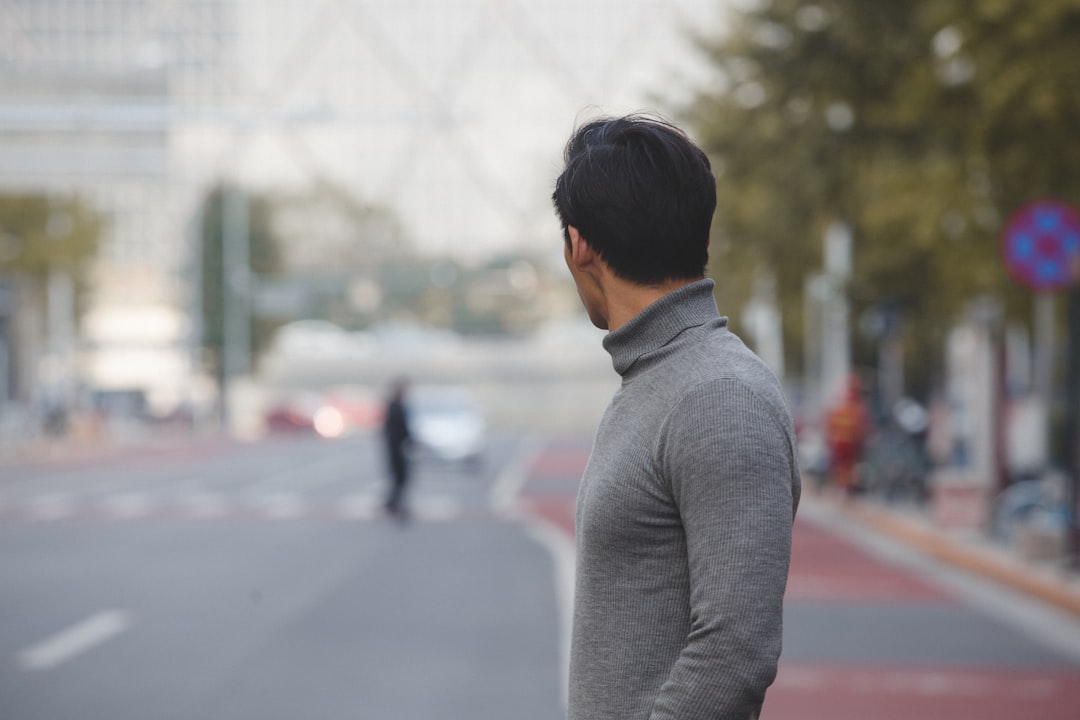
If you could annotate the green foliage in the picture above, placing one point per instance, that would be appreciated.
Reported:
(39, 233)
(922, 124)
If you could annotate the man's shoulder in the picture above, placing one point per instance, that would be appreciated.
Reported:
(719, 354)
(725, 369)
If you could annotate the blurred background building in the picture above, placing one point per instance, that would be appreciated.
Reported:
(95, 99)
(433, 128)
(180, 179)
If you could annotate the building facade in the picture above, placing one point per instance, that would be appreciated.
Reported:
(95, 99)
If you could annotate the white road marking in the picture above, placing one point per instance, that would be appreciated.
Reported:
(282, 506)
(328, 472)
(436, 508)
(205, 506)
(75, 640)
(561, 548)
(127, 506)
(503, 498)
(50, 507)
(305, 476)
(359, 507)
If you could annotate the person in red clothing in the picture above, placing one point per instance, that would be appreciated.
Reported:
(846, 428)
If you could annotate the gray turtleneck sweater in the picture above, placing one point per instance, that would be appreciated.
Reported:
(684, 522)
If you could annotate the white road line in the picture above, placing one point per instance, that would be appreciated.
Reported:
(503, 499)
(75, 640)
(205, 506)
(300, 477)
(503, 496)
(127, 506)
(359, 507)
(282, 506)
(564, 562)
(329, 471)
(437, 508)
(50, 507)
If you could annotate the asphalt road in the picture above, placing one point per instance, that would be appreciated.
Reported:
(262, 581)
(234, 581)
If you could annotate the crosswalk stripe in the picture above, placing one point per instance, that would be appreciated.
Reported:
(437, 508)
(127, 506)
(359, 507)
(205, 506)
(50, 507)
(282, 506)
(362, 506)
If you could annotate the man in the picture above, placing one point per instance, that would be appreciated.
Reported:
(685, 509)
(397, 436)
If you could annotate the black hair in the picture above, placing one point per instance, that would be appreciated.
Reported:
(641, 194)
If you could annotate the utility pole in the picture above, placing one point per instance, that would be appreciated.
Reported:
(58, 368)
(56, 373)
(836, 339)
(196, 239)
(7, 364)
(236, 261)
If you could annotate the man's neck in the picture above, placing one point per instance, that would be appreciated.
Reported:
(624, 300)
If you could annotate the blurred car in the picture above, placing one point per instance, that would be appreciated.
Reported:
(447, 423)
(347, 409)
(336, 412)
(293, 414)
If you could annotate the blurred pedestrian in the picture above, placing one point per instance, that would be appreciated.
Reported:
(398, 438)
(685, 510)
(847, 425)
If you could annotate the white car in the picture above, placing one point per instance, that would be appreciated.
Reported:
(446, 423)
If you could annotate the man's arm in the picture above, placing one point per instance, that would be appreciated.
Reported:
(729, 461)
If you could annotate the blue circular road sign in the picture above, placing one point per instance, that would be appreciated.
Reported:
(1040, 245)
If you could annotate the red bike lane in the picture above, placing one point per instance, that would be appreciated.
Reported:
(867, 638)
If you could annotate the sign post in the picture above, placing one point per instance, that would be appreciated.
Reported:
(1040, 246)
(1072, 429)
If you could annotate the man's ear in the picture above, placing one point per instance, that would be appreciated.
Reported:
(581, 253)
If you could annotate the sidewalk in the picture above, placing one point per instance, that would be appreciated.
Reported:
(159, 442)
(554, 472)
(969, 550)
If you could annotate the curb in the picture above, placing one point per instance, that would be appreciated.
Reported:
(1053, 588)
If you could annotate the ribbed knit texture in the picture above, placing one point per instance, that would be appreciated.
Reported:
(683, 524)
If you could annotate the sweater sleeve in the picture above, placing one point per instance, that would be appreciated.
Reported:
(727, 456)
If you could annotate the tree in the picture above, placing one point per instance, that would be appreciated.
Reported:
(40, 236)
(920, 124)
(41, 233)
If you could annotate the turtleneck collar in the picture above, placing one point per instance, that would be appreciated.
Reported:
(659, 323)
